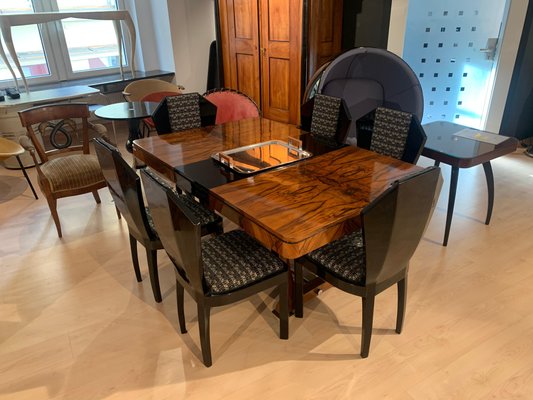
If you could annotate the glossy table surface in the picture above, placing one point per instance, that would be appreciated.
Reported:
(127, 110)
(291, 210)
(445, 146)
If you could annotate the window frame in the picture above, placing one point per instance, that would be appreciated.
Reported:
(56, 51)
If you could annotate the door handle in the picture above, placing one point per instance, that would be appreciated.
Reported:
(490, 48)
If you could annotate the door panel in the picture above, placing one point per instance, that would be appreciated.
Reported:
(281, 22)
(246, 73)
(240, 32)
(280, 68)
(444, 44)
(324, 33)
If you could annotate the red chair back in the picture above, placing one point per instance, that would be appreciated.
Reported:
(232, 106)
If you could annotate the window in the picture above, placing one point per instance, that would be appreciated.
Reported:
(69, 49)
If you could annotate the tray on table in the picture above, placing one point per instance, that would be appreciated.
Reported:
(262, 156)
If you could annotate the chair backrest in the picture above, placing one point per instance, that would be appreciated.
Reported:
(58, 127)
(311, 89)
(136, 90)
(327, 118)
(232, 105)
(394, 223)
(392, 133)
(178, 228)
(125, 187)
(157, 97)
(367, 78)
(186, 111)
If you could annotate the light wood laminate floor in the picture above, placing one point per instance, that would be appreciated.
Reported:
(75, 324)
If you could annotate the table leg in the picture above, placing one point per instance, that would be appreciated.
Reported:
(134, 132)
(451, 203)
(490, 187)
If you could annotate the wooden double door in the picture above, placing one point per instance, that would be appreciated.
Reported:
(263, 51)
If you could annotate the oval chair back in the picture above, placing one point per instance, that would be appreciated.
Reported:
(232, 105)
(136, 90)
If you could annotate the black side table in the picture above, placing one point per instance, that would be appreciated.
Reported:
(133, 112)
(463, 147)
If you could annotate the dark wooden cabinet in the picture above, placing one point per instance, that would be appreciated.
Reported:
(271, 47)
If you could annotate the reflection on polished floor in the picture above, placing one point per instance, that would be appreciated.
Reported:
(75, 324)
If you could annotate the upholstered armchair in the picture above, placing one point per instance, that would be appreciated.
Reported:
(67, 168)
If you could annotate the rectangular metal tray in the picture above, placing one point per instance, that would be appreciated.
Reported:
(262, 156)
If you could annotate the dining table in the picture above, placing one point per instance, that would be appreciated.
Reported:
(292, 209)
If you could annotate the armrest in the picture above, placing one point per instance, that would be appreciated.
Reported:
(26, 142)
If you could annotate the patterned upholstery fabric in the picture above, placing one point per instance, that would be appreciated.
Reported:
(150, 221)
(344, 257)
(184, 111)
(390, 132)
(234, 260)
(72, 172)
(325, 116)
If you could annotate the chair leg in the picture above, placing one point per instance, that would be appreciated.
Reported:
(180, 305)
(154, 274)
(27, 177)
(203, 326)
(298, 290)
(368, 318)
(52, 204)
(402, 299)
(135, 258)
(284, 310)
(96, 197)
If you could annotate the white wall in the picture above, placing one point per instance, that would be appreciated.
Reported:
(192, 29)
(175, 35)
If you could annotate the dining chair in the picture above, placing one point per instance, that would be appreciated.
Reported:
(136, 90)
(186, 111)
(372, 259)
(155, 97)
(217, 271)
(125, 188)
(327, 119)
(68, 168)
(9, 148)
(232, 105)
(393, 133)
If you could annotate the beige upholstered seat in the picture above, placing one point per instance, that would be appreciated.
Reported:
(67, 167)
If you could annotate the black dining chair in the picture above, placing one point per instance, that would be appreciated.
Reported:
(125, 187)
(182, 112)
(327, 119)
(393, 133)
(372, 259)
(217, 271)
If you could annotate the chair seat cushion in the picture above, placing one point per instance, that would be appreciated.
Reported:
(234, 260)
(344, 258)
(73, 172)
